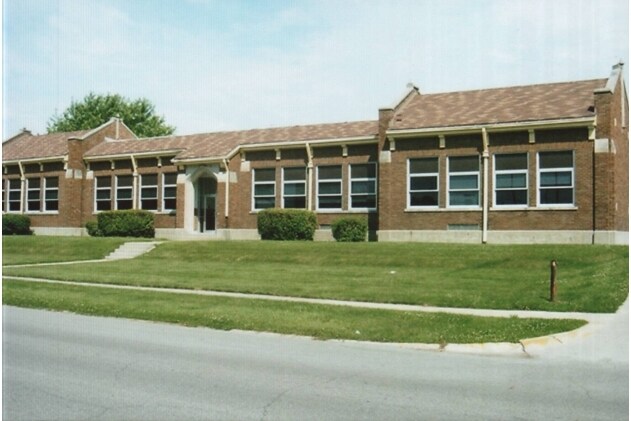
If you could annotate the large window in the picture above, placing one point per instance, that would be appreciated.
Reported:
(294, 191)
(264, 188)
(103, 193)
(124, 192)
(423, 182)
(511, 180)
(556, 178)
(330, 187)
(149, 192)
(363, 182)
(51, 194)
(15, 195)
(33, 194)
(464, 181)
(169, 192)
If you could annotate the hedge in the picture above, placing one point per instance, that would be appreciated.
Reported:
(123, 223)
(93, 229)
(16, 225)
(350, 229)
(286, 224)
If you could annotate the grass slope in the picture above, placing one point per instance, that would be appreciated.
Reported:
(44, 249)
(319, 321)
(590, 278)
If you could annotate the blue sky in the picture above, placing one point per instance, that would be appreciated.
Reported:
(211, 65)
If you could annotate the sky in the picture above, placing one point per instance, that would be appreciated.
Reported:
(215, 65)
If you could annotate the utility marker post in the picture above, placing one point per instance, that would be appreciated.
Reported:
(553, 280)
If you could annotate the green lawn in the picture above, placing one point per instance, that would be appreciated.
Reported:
(590, 278)
(44, 249)
(319, 321)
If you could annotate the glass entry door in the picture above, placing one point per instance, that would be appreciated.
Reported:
(206, 200)
(209, 213)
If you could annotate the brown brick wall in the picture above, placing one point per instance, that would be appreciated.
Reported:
(393, 182)
(123, 167)
(611, 173)
(241, 214)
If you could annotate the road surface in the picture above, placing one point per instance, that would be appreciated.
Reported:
(69, 367)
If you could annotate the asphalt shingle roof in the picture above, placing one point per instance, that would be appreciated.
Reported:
(214, 145)
(28, 146)
(501, 105)
(488, 106)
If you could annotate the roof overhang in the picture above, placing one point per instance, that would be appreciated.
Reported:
(493, 127)
(359, 140)
(149, 154)
(34, 160)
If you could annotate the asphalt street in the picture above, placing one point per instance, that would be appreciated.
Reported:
(69, 367)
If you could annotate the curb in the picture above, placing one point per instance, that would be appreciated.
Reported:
(524, 348)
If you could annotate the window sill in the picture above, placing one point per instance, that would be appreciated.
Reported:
(36, 213)
(532, 208)
(555, 208)
(452, 209)
(326, 211)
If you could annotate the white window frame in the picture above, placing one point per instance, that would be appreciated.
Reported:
(155, 188)
(302, 182)
(361, 180)
(462, 173)
(572, 186)
(497, 172)
(19, 190)
(409, 177)
(261, 183)
(164, 194)
(118, 189)
(337, 181)
(38, 190)
(97, 189)
(48, 189)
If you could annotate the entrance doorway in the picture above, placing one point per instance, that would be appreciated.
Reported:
(206, 203)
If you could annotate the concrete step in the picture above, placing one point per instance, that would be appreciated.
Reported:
(131, 250)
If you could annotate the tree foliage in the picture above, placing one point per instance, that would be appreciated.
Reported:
(94, 110)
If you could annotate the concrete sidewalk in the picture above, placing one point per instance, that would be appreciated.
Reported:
(605, 337)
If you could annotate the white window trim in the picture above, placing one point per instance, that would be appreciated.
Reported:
(409, 186)
(449, 190)
(96, 189)
(46, 189)
(350, 189)
(500, 172)
(330, 180)
(116, 189)
(164, 197)
(564, 169)
(38, 190)
(157, 190)
(9, 190)
(283, 182)
(255, 183)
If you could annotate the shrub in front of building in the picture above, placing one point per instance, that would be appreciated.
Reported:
(349, 229)
(93, 229)
(124, 223)
(16, 225)
(286, 224)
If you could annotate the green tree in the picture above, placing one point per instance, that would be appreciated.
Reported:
(94, 110)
